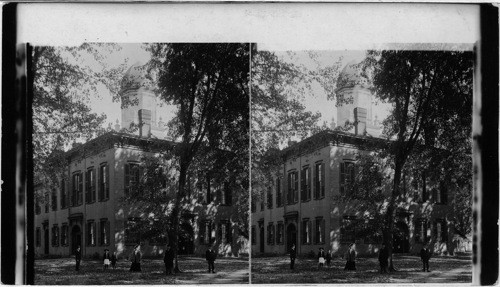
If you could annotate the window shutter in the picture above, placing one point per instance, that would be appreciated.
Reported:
(323, 172)
(127, 181)
(107, 180)
(80, 188)
(229, 233)
(308, 182)
(316, 181)
(289, 188)
(296, 191)
(303, 191)
(323, 231)
(342, 178)
(87, 186)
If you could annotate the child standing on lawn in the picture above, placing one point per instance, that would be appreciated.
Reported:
(106, 258)
(321, 257)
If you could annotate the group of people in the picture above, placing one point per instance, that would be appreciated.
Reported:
(136, 256)
(350, 256)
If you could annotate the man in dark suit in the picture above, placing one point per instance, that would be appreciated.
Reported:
(425, 255)
(293, 255)
(210, 256)
(168, 259)
(78, 257)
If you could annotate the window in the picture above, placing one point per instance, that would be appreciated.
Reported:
(279, 195)
(421, 230)
(279, 233)
(348, 229)
(319, 180)
(227, 196)
(225, 234)
(440, 230)
(38, 237)
(38, 208)
(90, 185)
(63, 194)
(64, 235)
(206, 232)
(133, 231)
(104, 232)
(208, 192)
(319, 230)
(91, 240)
(47, 203)
(55, 235)
(269, 198)
(424, 195)
(262, 200)
(253, 206)
(104, 181)
(305, 184)
(270, 233)
(440, 194)
(306, 231)
(254, 235)
(293, 187)
(54, 199)
(77, 196)
(346, 176)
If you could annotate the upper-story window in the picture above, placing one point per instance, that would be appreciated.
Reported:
(293, 187)
(269, 198)
(64, 197)
(346, 176)
(440, 194)
(90, 185)
(279, 193)
(305, 183)
(319, 180)
(47, 203)
(226, 194)
(54, 199)
(77, 195)
(104, 181)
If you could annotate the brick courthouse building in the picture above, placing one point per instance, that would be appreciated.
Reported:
(86, 208)
(304, 205)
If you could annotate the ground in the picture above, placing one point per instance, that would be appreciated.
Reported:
(444, 269)
(62, 272)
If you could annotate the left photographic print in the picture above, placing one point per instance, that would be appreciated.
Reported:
(140, 163)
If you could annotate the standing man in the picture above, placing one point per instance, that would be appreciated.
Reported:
(78, 257)
(168, 259)
(210, 256)
(425, 255)
(383, 257)
(293, 255)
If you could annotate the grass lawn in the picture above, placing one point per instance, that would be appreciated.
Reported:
(451, 269)
(62, 272)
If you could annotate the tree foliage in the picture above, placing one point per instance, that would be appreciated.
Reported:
(209, 85)
(65, 80)
(431, 97)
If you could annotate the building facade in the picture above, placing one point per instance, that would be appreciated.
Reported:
(308, 203)
(87, 209)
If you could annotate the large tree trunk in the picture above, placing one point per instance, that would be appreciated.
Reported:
(391, 209)
(176, 213)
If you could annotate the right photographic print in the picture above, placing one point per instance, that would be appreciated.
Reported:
(362, 165)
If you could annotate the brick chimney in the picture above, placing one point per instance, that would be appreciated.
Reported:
(360, 121)
(144, 123)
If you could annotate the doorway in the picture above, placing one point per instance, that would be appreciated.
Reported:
(291, 236)
(401, 238)
(186, 239)
(76, 238)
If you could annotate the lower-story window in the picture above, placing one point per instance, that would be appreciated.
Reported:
(91, 238)
(225, 231)
(104, 232)
(441, 230)
(421, 230)
(55, 235)
(270, 233)
(254, 235)
(306, 231)
(206, 232)
(319, 227)
(38, 237)
(64, 235)
(348, 229)
(279, 233)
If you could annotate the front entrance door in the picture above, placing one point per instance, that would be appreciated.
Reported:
(291, 236)
(401, 238)
(186, 239)
(261, 235)
(46, 239)
(76, 238)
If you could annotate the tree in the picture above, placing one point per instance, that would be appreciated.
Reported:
(431, 97)
(64, 82)
(209, 85)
